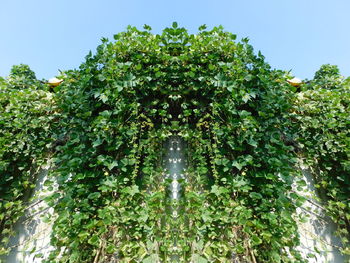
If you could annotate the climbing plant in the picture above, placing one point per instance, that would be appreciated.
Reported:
(27, 115)
(237, 117)
(105, 128)
(220, 97)
(322, 120)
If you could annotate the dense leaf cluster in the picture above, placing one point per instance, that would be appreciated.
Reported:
(224, 101)
(27, 114)
(322, 119)
(108, 122)
(237, 137)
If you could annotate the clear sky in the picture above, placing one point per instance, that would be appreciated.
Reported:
(297, 35)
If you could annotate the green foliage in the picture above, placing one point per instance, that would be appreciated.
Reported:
(227, 104)
(26, 119)
(236, 135)
(323, 130)
(21, 76)
(108, 122)
(327, 77)
(109, 201)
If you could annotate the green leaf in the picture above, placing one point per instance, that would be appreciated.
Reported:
(238, 165)
(131, 190)
(112, 165)
(256, 240)
(94, 196)
(218, 190)
(147, 27)
(101, 77)
(97, 142)
(255, 195)
(138, 67)
(151, 259)
(198, 259)
(202, 27)
(94, 240)
(111, 249)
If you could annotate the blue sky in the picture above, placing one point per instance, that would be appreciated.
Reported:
(297, 35)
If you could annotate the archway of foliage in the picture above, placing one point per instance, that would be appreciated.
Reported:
(108, 123)
(117, 110)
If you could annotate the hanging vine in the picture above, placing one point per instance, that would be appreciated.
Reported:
(27, 119)
(106, 125)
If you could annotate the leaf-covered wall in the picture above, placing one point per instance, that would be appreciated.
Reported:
(105, 128)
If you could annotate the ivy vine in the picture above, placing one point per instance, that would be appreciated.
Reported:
(105, 128)
(27, 119)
